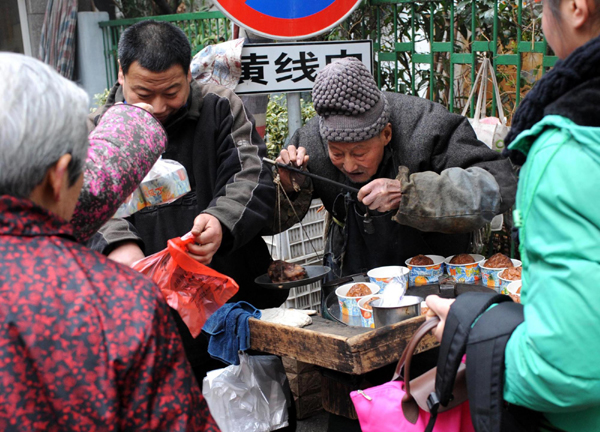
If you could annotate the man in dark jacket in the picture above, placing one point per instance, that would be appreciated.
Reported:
(425, 180)
(85, 343)
(213, 137)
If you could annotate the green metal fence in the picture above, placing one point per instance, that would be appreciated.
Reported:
(432, 48)
(429, 48)
(202, 28)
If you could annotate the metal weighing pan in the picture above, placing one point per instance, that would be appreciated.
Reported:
(314, 273)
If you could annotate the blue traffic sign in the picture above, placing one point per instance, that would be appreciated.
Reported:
(289, 10)
(287, 19)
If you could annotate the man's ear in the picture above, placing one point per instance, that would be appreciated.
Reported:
(189, 76)
(121, 75)
(58, 176)
(386, 134)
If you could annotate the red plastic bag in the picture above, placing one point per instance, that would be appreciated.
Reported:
(192, 289)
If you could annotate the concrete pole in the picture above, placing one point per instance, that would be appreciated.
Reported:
(294, 113)
(90, 53)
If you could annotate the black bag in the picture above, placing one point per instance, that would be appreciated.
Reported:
(485, 344)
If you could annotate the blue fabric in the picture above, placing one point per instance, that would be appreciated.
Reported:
(229, 332)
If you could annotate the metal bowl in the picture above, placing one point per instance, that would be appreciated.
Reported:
(410, 307)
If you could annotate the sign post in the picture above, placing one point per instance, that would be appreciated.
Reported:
(294, 108)
(287, 19)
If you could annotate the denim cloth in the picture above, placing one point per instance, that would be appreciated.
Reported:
(229, 332)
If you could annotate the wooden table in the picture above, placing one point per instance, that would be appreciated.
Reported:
(349, 350)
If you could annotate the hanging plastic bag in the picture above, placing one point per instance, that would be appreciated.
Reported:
(219, 64)
(191, 288)
(167, 181)
(490, 130)
(249, 397)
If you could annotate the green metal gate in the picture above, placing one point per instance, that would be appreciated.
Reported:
(202, 28)
(422, 43)
(428, 48)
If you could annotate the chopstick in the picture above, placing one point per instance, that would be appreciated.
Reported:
(311, 175)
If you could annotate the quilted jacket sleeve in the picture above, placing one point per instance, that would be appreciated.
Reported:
(454, 183)
(123, 148)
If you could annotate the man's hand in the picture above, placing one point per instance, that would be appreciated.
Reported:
(438, 307)
(127, 253)
(145, 106)
(141, 105)
(298, 159)
(382, 194)
(208, 234)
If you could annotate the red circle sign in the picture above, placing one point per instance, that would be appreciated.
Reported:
(287, 19)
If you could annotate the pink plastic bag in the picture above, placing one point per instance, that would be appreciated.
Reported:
(383, 413)
(192, 289)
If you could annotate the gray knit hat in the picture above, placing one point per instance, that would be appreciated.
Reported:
(350, 106)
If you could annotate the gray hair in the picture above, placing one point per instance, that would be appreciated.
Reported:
(42, 117)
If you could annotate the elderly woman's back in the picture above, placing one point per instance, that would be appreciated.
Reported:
(85, 343)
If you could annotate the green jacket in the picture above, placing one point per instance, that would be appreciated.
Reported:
(553, 357)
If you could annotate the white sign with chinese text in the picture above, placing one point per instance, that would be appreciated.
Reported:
(292, 67)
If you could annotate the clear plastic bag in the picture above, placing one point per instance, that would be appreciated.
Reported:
(250, 397)
(166, 181)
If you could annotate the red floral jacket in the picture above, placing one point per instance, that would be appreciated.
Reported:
(85, 344)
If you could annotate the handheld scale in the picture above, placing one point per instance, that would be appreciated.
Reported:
(368, 227)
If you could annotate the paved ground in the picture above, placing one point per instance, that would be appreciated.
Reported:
(315, 423)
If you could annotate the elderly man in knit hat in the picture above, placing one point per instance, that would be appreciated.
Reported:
(425, 182)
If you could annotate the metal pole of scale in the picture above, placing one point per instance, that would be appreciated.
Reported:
(294, 123)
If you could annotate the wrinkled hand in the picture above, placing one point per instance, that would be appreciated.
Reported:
(126, 253)
(381, 194)
(299, 159)
(438, 307)
(208, 234)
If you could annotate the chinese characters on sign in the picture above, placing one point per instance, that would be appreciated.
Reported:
(253, 68)
(307, 66)
(292, 67)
